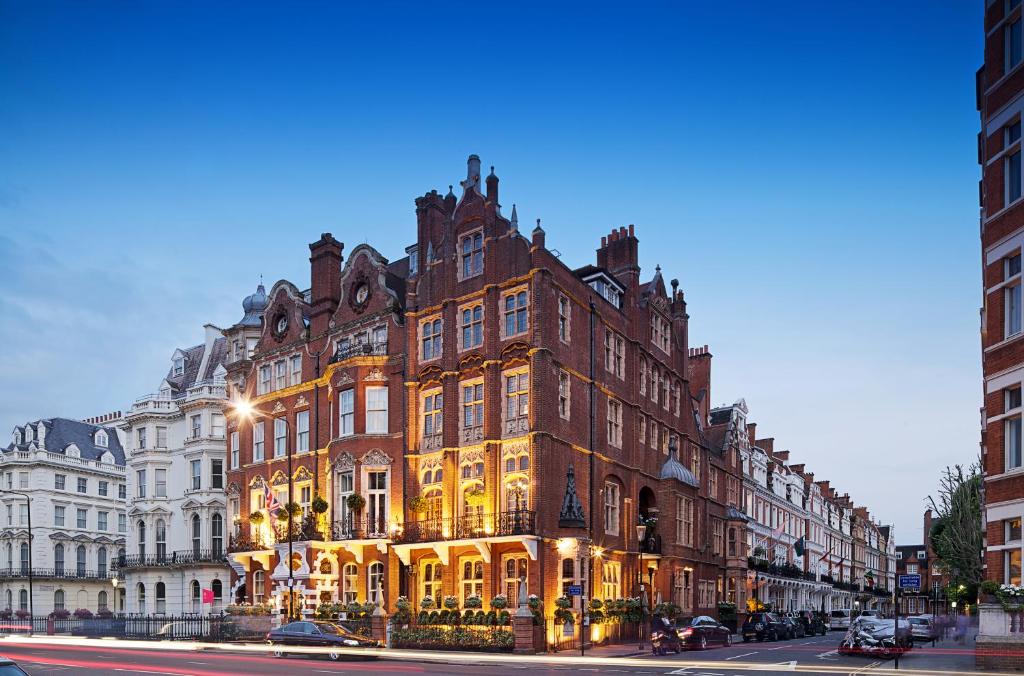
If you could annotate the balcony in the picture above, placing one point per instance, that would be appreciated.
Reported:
(361, 350)
(651, 545)
(516, 426)
(366, 528)
(180, 558)
(520, 522)
(206, 389)
(59, 573)
(247, 542)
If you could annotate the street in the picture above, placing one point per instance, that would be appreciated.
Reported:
(810, 656)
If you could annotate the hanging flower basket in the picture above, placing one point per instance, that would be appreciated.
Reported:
(427, 602)
(256, 518)
(500, 601)
(294, 509)
(281, 514)
(355, 502)
(319, 505)
(451, 602)
(474, 602)
(418, 504)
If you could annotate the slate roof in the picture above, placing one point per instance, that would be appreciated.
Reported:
(193, 360)
(62, 432)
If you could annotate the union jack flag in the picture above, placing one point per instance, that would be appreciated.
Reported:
(270, 500)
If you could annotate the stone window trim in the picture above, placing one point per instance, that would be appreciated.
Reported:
(505, 310)
(475, 323)
(430, 343)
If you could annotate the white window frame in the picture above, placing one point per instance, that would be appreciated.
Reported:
(376, 398)
(259, 447)
(471, 256)
(280, 437)
(302, 432)
(612, 508)
(614, 431)
(346, 413)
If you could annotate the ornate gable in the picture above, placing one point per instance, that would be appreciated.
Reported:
(375, 457)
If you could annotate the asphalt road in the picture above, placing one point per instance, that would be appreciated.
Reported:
(812, 656)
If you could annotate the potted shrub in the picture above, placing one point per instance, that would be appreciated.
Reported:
(418, 504)
(403, 611)
(83, 613)
(474, 602)
(451, 602)
(989, 589)
(320, 505)
(500, 601)
(105, 613)
(6, 614)
(60, 614)
(255, 518)
(355, 502)
(21, 614)
(562, 613)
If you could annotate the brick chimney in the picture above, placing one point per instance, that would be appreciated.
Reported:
(752, 433)
(325, 281)
(782, 455)
(619, 255)
(799, 469)
(825, 488)
(698, 370)
(766, 445)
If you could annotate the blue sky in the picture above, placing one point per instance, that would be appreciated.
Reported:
(807, 172)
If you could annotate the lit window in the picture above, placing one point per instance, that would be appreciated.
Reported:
(472, 327)
(472, 579)
(472, 248)
(611, 580)
(472, 405)
(376, 410)
(515, 314)
(1012, 533)
(346, 413)
(684, 521)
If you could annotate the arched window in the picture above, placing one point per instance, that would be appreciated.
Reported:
(218, 592)
(140, 591)
(197, 597)
(217, 535)
(197, 533)
(258, 587)
(472, 578)
(58, 560)
(349, 575)
(430, 581)
(24, 559)
(161, 540)
(374, 581)
(142, 540)
(58, 599)
(101, 563)
(101, 600)
(515, 568)
(434, 504)
(161, 598)
(23, 599)
(80, 560)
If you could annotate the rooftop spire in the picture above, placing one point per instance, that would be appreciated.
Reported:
(515, 219)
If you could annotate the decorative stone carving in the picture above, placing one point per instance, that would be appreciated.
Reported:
(375, 457)
(571, 514)
(432, 462)
(470, 435)
(233, 489)
(343, 379)
(257, 481)
(471, 456)
(514, 448)
(301, 401)
(517, 426)
(344, 462)
(303, 474)
(279, 408)
(375, 376)
(433, 442)
(278, 478)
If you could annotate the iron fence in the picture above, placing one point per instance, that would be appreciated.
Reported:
(178, 558)
(144, 627)
(70, 572)
(515, 522)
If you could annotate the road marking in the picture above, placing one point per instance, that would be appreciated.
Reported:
(780, 666)
(736, 657)
(198, 662)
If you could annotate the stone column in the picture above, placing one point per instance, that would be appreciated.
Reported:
(522, 623)
(379, 619)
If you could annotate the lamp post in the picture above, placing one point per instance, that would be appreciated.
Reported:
(114, 582)
(641, 532)
(31, 604)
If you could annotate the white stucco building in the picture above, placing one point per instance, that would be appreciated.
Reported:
(72, 474)
(176, 463)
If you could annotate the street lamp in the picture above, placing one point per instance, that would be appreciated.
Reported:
(641, 532)
(31, 605)
(114, 582)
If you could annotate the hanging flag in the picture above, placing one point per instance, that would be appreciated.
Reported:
(270, 500)
(207, 596)
(798, 547)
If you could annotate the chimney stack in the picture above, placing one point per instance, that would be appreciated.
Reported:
(325, 281)
(619, 255)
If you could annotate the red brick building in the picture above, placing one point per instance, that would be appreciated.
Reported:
(1000, 82)
(921, 560)
(507, 417)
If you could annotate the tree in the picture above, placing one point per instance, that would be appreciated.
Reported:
(956, 534)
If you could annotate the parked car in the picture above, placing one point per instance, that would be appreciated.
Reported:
(9, 668)
(814, 623)
(794, 629)
(664, 637)
(840, 619)
(317, 634)
(871, 614)
(922, 628)
(702, 631)
(762, 626)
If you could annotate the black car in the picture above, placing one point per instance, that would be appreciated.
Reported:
(794, 629)
(701, 631)
(9, 668)
(813, 623)
(317, 635)
(763, 626)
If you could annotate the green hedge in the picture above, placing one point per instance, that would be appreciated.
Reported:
(453, 638)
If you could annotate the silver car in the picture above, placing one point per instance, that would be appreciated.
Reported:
(922, 628)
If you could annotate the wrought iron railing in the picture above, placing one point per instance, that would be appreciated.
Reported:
(66, 573)
(517, 522)
(361, 350)
(360, 528)
(179, 558)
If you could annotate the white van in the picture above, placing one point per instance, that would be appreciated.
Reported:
(840, 619)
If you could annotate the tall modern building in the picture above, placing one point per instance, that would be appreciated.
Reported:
(71, 475)
(177, 521)
(1000, 83)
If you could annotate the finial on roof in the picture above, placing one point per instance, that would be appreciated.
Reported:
(515, 219)
(492, 170)
(450, 193)
(538, 228)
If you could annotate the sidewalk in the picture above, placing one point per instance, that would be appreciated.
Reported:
(947, 655)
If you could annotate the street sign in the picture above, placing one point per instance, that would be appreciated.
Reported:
(910, 582)
(575, 590)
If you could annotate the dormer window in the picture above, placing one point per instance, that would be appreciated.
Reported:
(178, 366)
(17, 437)
(605, 288)
(101, 439)
(28, 433)
(414, 259)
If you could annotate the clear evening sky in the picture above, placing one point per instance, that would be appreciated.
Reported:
(808, 171)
